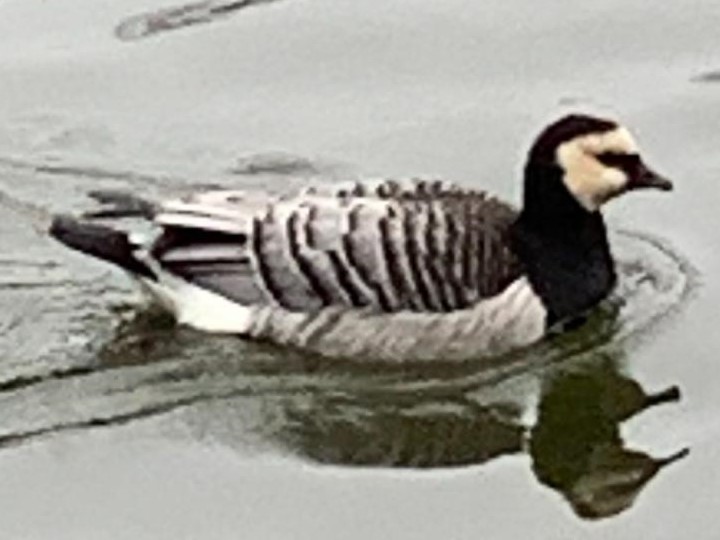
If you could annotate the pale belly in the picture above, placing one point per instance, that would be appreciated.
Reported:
(512, 319)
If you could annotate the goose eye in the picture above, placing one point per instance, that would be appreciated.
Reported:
(619, 161)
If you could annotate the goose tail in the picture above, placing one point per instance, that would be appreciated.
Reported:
(101, 242)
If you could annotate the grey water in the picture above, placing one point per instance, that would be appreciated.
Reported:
(115, 423)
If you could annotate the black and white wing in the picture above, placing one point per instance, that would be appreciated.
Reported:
(387, 246)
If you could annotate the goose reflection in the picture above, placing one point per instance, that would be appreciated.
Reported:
(576, 447)
(452, 432)
(438, 416)
(575, 444)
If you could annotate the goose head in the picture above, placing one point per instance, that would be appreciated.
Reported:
(594, 160)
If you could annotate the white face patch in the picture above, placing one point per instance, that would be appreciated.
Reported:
(591, 182)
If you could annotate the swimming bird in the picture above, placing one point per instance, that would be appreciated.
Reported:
(383, 269)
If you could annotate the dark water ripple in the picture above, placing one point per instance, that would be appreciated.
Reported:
(150, 24)
(707, 77)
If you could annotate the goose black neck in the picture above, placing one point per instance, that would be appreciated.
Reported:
(563, 246)
(547, 201)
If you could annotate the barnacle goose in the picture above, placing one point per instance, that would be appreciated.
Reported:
(387, 270)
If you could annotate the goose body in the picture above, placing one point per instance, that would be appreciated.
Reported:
(383, 269)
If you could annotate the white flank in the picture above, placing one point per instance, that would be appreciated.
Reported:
(514, 318)
(197, 307)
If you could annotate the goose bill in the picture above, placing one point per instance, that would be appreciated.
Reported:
(645, 177)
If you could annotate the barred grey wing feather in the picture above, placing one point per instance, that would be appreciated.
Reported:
(385, 246)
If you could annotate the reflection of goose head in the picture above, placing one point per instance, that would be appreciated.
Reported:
(614, 479)
(576, 445)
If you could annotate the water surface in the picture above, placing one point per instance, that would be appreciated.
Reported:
(116, 424)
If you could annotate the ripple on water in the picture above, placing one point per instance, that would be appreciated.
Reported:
(150, 24)
(708, 77)
(120, 368)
